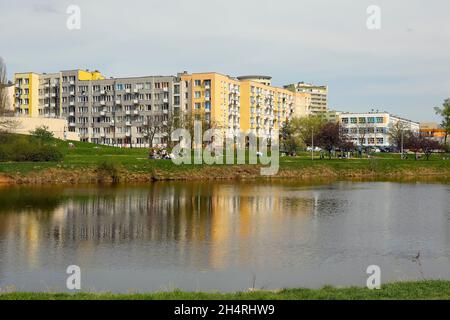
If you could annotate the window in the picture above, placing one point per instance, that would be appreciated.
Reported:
(380, 140)
(353, 120)
(380, 119)
(198, 83)
(197, 94)
(344, 120)
(371, 140)
(119, 86)
(362, 120)
(371, 120)
(198, 106)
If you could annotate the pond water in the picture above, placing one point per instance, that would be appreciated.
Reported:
(223, 236)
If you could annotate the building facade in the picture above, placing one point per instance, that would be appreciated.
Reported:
(318, 103)
(372, 129)
(115, 111)
(119, 111)
(435, 131)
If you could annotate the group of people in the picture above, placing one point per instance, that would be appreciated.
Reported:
(159, 153)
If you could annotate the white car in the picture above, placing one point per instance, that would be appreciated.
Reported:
(316, 149)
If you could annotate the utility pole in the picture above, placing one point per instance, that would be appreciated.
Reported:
(402, 145)
(312, 143)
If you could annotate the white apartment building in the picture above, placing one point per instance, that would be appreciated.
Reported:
(372, 129)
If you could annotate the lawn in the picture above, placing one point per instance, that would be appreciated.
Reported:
(422, 290)
(90, 156)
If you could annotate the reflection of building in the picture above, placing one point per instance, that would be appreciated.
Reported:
(372, 128)
(433, 130)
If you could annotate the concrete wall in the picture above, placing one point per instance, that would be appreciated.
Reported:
(59, 127)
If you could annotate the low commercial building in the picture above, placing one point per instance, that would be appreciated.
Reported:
(59, 127)
(372, 129)
(434, 130)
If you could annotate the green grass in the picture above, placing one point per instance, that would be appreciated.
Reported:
(87, 155)
(423, 290)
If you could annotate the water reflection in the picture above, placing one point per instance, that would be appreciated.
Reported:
(282, 230)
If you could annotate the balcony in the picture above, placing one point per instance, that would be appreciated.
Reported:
(102, 103)
(71, 82)
(165, 100)
(118, 102)
(136, 101)
(72, 93)
(128, 90)
(53, 105)
(136, 90)
(72, 114)
(72, 124)
(128, 123)
(102, 92)
(111, 123)
(128, 112)
(72, 103)
(136, 112)
(102, 113)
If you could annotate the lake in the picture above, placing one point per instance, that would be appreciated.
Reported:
(225, 236)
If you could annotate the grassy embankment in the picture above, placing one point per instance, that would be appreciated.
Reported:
(88, 163)
(423, 290)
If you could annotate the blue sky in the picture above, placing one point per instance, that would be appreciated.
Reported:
(402, 68)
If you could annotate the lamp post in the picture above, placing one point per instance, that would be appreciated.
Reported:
(312, 143)
(402, 144)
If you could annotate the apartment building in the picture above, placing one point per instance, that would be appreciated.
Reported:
(213, 98)
(119, 111)
(372, 129)
(7, 92)
(246, 103)
(265, 108)
(318, 103)
(115, 111)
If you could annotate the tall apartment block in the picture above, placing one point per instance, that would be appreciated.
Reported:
(113, 111)
(247, 103)
(318, 103)
(118, 111)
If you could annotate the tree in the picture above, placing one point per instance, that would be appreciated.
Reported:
(428, 146)
(42, 133)
(444, 112)
(331, 137)
(308, 128)
(290, 136)
(6, 124)
(152, 125)
(399, 132)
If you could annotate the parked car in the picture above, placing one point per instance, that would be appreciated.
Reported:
(316, 149)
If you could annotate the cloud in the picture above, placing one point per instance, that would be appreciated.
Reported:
(403, 66)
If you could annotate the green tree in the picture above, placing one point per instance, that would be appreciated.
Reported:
(42, 133)
(444, 112)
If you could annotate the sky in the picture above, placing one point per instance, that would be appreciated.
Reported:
(402, 68)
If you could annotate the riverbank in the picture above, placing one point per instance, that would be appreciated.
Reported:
(87, 163)
(422, 290)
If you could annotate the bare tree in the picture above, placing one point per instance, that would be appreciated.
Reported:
(6, 124)
(152, 126)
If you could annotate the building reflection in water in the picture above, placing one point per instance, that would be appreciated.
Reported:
(202, 225)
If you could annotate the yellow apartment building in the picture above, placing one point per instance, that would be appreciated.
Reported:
(215, 98)
(248, 103)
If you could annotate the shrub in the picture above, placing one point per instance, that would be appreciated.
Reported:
(110, 169)
(25, 149)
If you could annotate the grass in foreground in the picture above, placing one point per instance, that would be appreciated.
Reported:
(422, 290)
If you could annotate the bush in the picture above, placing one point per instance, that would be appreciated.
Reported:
(25, 149)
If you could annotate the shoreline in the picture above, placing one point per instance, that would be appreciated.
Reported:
(414, 290)
(92, 176)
